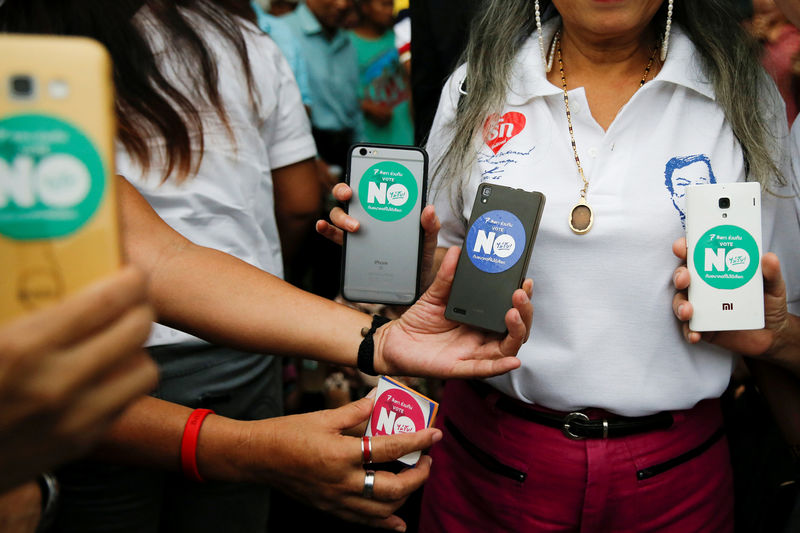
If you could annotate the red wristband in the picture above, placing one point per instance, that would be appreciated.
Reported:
(189, 443)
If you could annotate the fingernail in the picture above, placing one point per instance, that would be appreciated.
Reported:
(680, 314)
(371, 393)
(400, 528)
(437, 436)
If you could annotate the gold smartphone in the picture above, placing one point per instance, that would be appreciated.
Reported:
(58, 203)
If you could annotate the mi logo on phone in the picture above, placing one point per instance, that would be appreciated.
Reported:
(727, 306)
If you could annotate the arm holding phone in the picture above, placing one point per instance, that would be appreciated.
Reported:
(238, 309)
(67, 371)
(306, 455)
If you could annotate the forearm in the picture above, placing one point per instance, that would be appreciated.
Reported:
(229, 302)
(149, 433)
(298, 204)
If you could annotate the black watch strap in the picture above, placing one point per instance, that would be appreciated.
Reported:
(50, 496)
(366, 350)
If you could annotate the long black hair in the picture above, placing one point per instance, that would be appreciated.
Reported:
(147, 104)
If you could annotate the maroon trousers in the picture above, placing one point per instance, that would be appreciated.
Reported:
(495, 471)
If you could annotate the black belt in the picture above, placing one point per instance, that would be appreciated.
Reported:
(577, 425)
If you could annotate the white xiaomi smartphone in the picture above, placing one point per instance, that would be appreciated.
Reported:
(723, 233)
(381, 261)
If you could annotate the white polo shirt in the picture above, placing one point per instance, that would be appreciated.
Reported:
(229, 204)
(604, 334)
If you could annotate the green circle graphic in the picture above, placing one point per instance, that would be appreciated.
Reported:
(726, 257)
(388, 191)
(52, 178)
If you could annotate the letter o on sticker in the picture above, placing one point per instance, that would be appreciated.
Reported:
(504, 245)
(62, 180)
(404, 424)
(397, 194)
(737, 260)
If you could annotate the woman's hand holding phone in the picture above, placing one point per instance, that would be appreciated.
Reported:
(772, 342)
(455, 350)
(341, 222)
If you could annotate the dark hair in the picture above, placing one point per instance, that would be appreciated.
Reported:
(147, 104)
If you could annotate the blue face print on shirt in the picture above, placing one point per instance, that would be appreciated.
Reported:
(495, 241)
(681, 172)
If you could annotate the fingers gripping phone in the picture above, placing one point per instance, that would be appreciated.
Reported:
(723, 234)
(495, 255)
(381, 261)
(58, 223)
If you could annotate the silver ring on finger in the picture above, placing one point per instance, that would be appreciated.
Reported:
(369, 484)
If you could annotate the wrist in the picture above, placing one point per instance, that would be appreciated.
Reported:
(220, 447)
(370, 351)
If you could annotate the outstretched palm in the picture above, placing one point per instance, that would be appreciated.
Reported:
(424, 343)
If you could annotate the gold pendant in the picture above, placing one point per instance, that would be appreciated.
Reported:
(581, 217)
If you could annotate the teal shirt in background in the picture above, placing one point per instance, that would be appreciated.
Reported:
(333, 73)
(286, 41)
(381, 80)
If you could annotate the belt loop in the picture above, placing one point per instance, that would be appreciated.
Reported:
(605, 428)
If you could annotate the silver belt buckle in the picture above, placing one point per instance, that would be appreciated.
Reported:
(577, 415)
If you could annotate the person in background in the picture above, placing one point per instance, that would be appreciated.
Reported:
(336, 119)
(384, 91)
(284, 38)
(318, 26)
(781, 54)
(282, 7)
(234, 171)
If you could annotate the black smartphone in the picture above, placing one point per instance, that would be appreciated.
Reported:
(495, 255)
(381, 261)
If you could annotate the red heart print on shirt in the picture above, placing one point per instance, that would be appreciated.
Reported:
(507, 127)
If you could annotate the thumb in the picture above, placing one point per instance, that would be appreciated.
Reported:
(439, 291)
(352, 414)
(773, 280)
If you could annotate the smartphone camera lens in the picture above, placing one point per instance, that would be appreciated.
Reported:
(21, 86)
(363, 151)
(724, 203)
(487, 191)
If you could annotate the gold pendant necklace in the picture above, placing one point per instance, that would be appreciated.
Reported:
(581, 216)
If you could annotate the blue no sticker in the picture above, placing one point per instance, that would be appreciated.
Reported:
(495, 241)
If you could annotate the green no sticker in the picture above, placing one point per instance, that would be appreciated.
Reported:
(726, 257)
(388, 191)
(52, 178)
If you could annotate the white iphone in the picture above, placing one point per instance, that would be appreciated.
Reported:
(723, 233)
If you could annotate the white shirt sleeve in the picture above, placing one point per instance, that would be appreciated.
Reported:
(440, 136)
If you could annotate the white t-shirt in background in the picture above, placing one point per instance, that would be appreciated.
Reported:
(229, 204)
